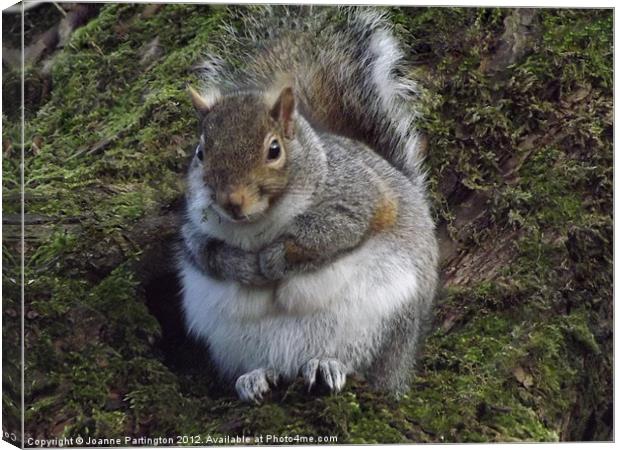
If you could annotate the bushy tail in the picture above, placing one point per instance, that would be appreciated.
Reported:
(344, 63)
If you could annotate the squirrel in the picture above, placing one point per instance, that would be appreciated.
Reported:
(308, 246)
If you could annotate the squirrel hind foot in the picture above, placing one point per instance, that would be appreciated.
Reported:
(331, 373)
(252, 386)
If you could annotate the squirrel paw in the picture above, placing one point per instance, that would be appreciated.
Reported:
(272, 261)
(331, 371)
(253, 385)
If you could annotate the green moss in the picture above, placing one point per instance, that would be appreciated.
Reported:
(470, 386)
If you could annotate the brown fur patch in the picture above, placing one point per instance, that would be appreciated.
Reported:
(385, 215)
(295, 253)
(269, 181)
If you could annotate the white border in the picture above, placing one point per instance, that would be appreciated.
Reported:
(480, 3)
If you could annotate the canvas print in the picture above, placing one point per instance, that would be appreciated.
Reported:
(304, 224)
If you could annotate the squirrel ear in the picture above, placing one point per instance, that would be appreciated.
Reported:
(283, 110)
(202, 104)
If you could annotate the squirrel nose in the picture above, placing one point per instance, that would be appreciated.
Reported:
(236, 198)
(225, 198)
(232, 200)
(235, 204)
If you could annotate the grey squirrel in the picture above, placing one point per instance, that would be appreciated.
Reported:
(308, 243)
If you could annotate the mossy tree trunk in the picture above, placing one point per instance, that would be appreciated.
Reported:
(517, 114)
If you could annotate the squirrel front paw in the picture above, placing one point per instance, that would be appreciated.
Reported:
(331, 371)
(248, 273)
(272, 261)
(253, 385)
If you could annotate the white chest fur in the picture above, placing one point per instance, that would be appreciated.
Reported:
(336, 311)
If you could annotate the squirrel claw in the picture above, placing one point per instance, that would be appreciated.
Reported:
(332, 372)
(253, 385)
(308, 372)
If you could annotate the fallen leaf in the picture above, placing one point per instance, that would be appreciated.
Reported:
(523, 377)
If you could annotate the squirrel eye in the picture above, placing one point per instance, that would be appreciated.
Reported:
(199, 152)
(274, 150)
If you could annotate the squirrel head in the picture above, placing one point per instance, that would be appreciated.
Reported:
(244, 150)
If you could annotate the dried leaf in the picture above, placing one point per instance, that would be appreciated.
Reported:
(523, 377)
